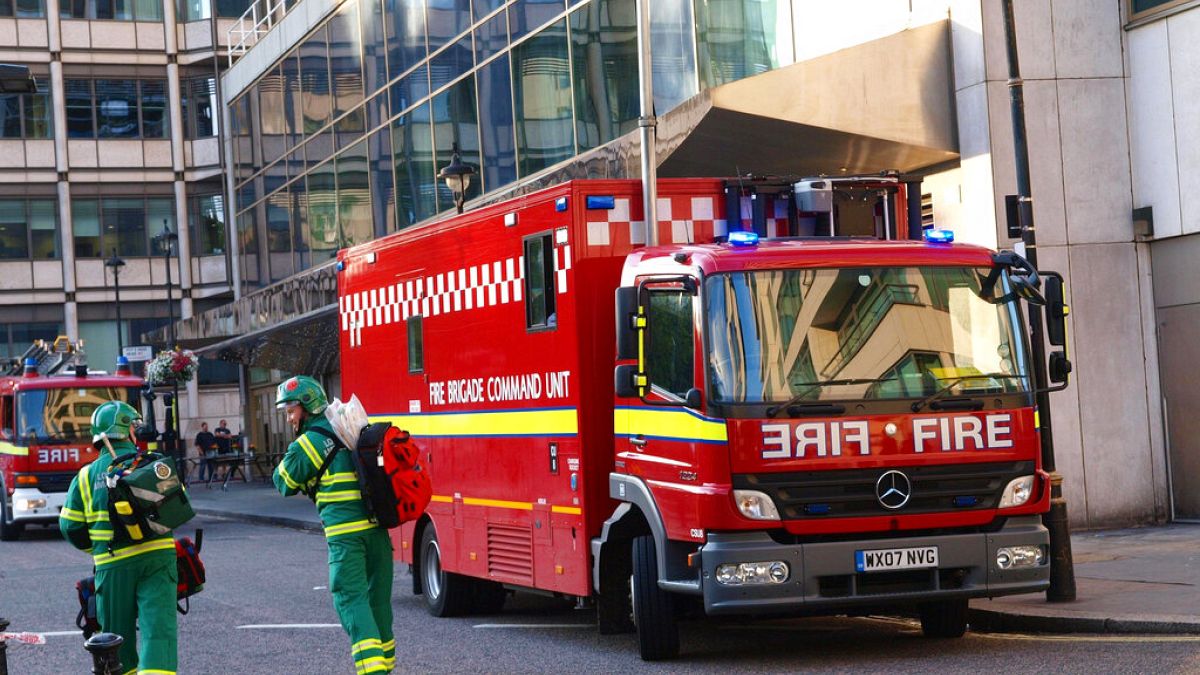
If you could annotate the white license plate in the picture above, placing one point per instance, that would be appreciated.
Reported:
(887, 559)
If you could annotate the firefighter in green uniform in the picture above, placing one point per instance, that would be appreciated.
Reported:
(135, 581)
(360, 552)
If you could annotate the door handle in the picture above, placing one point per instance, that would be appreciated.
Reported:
(637, 441)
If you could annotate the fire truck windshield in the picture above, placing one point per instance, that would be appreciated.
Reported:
(49, 416)
(853, 334)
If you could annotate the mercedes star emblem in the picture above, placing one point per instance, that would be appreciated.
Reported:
(893, 490)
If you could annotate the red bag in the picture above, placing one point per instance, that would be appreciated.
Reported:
(410, 482)
(190, 568)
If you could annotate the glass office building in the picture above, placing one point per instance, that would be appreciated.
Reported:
(340, 140)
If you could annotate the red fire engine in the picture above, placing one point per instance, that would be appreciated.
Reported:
(751, 422)
(46, 409)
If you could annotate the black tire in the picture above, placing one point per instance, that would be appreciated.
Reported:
(446, 593)
(944, 619)
(9, 531)
(614, 603)
(488, 597)
(653, 608)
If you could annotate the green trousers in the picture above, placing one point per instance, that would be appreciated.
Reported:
(136, 598)
(360, 578)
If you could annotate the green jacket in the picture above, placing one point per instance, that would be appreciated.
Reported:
(83, 520)
(339, 501)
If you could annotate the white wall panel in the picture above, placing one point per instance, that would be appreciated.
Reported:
(1152, 128)
(1095, 160)
(1183, 35)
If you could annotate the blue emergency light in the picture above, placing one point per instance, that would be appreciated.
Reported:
(598, 202)
(936, 236)
(743, 238)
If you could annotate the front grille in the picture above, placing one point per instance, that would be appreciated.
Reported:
(890, 583)
(54, 482)
(809, 495)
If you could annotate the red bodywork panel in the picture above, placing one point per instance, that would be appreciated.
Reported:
(33, 458)
(516, 423)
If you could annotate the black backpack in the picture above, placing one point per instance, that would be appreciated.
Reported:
(373, 481)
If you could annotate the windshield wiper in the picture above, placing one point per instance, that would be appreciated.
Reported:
(917, 406)
(822, 407)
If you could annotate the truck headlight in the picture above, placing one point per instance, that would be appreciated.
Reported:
(30, 504)
(1019, 557)
(739, 574)
(1017, 492)
(756, 505)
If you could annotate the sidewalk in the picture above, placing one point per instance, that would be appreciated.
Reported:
(1144, 580)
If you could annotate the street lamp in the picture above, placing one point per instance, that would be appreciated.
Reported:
(458, 178)
(116, 264)
(166, 240)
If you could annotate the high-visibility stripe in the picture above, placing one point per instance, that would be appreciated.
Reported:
(16, 451)
(131, 671)
(375, 664)
(669, 424)
(310, 450)
(72, 515)
(539, 422)
(287, 478)
(389, 645)
(85, 492)
(504, 504)
(343, 477)
(441, 498)
(100, 535)
(571, 510)
(338, 496)
(347, 528)
(369, 643)
(156, 672)
(135, 550)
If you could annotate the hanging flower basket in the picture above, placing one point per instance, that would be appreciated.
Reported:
(178, 366)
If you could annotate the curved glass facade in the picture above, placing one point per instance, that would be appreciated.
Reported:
(341, 140)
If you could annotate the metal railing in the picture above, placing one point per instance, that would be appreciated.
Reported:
(255, 22)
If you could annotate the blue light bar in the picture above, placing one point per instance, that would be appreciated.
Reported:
(122, 361)
(595, 202)
(743, 238)
(816, 509)
(341, 265)
(936, 236)
(966, 501)
(560, 204)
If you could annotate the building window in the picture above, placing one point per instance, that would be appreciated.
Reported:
(198, 10)
(118, 10)
(1141, 9)
(116, 108)
(206, 220)
(539, 282)
(26, 115)
(28, 229)
(127, 225)
(199, 107)
(542, 96)
(15, 338)
(23, 9)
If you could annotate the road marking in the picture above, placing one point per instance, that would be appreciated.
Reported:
(270, 626)
(320, 588)
(59, 633)
(1089, 638)
(533, 625)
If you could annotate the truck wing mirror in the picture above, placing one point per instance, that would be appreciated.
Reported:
(1056, 310)
(626, 302)
(1058, 368)
(625, 379)
(692, 399)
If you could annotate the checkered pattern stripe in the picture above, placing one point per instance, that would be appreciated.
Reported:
(687, 219)
(463, 290)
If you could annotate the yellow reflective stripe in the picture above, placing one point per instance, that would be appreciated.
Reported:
(138, 549)
(441, 498)
(375, 664)
(311, 451)
(85, 492)
(570, 510)
(100, 535)
(287, 478)
(131, 671)
(390, 644)
(339, 496)
(335, 478)
(72, 515)
(501, 503)
(156, 672)
(672, 424)
(542, 422)
(369, 643)
(347, 528)
(16, 451)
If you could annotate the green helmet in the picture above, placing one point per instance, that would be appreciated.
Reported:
(304, 390)
(114, 419)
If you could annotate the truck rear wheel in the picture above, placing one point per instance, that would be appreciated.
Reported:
(9, 531)
(653, 608)
(944, 619)
(446, 593)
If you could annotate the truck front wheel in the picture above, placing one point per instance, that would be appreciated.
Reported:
(944, 619)
(446, 593)
(9, 531)
(653, 608)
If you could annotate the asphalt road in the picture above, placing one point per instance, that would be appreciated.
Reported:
(262, 578)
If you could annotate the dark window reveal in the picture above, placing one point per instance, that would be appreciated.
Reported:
(416, 344)
(539, 282)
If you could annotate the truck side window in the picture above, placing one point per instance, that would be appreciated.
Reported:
(540, 298)
(416, 344)
(670, 357)
(6, 416)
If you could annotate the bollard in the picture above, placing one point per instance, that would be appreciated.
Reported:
(3, 647)
(105, 649)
